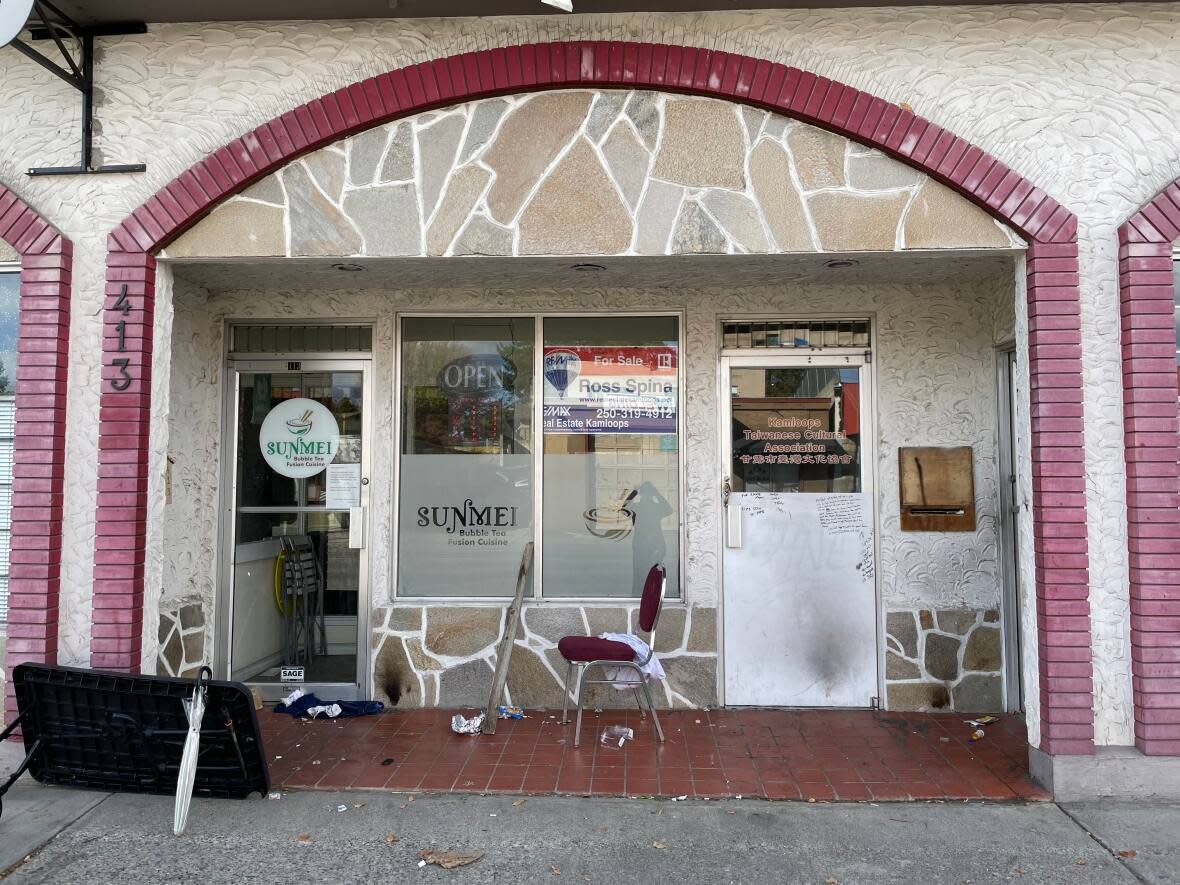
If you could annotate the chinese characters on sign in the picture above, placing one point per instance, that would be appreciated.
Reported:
(795, 441)
(596, 390)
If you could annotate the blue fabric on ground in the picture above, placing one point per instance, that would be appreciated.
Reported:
(347, 708)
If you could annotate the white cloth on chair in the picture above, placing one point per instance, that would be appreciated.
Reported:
(625, 677)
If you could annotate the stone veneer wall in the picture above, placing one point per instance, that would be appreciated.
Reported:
(659, 174)
(445, 655)
(183, 638)
(945, 659)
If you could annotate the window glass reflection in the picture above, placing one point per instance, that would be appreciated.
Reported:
(466, 503)
(795, 429)
(611, 505)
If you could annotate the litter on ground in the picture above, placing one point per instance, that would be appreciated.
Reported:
(448, 860)
(616, 735)
(462, 725)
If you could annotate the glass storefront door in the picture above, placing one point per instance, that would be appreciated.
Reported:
(800, 609)
(296, 563)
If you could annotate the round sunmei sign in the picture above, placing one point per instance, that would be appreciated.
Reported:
(299, 438)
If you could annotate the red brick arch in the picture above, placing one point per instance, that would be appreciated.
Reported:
(1150, 424)
(39, 459)
(1058, 495)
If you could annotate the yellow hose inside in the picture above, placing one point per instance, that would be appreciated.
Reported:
(278, 583)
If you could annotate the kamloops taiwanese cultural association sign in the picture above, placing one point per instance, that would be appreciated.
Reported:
(610, 390)
(299, 438)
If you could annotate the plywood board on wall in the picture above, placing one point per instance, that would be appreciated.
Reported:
(937, 489)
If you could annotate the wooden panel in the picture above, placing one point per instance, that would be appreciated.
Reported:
(937, 489)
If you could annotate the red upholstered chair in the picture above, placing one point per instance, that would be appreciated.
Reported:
(585, 652)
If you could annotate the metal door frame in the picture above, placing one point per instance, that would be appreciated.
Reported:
(1007, 480)
(818, 358)
(227, 504)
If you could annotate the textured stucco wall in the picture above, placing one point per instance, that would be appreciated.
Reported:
(934, 366)
(1083, 99)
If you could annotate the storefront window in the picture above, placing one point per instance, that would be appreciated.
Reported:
(610, 470)
(611, 503)
(466, 475)
(9, 314)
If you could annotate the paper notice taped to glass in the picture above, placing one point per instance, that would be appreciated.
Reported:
(343, 487)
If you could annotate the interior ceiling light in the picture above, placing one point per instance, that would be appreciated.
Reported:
(348, 268)
(565, 5)
(835, 263)
(587, 268)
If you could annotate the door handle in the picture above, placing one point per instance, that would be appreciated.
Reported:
(733, 516)
(356, 528)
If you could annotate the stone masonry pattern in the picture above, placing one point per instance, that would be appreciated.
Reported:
(659, 174)
(944, 660)
(445, 656)
(183, 643)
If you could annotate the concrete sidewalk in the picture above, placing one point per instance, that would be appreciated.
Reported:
(303, 837)
(33, 814)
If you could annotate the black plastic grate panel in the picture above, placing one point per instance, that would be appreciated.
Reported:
(125, 733)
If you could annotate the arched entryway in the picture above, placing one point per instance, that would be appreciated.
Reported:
(1147, 243)
(45, 260)
(1054, 355)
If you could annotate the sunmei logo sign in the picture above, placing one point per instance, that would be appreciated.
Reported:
(471, 524)
(299, 438)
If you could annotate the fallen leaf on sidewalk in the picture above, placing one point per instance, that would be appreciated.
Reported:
(1128, 853)
(391, 838)
(303, 837)
(555, 870)
(448, 860)
(1081, 861)
(831, 880)
(659, 844)
(518, 802)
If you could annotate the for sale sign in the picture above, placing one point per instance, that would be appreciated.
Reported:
(599, 390)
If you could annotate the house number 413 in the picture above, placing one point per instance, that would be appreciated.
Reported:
(122, 306)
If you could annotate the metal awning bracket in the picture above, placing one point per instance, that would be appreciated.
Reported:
(75, 65)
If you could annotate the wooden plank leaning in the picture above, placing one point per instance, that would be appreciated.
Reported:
(511, 624)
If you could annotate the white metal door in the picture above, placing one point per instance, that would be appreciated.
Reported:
(800, 597)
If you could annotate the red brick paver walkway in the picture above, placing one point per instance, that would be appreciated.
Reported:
(772, 754)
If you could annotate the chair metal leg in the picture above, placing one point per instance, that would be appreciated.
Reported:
(655, 717)
(639, 703)
(582, 670)
(565, 696)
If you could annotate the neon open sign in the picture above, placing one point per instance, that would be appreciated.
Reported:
(485, 375)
